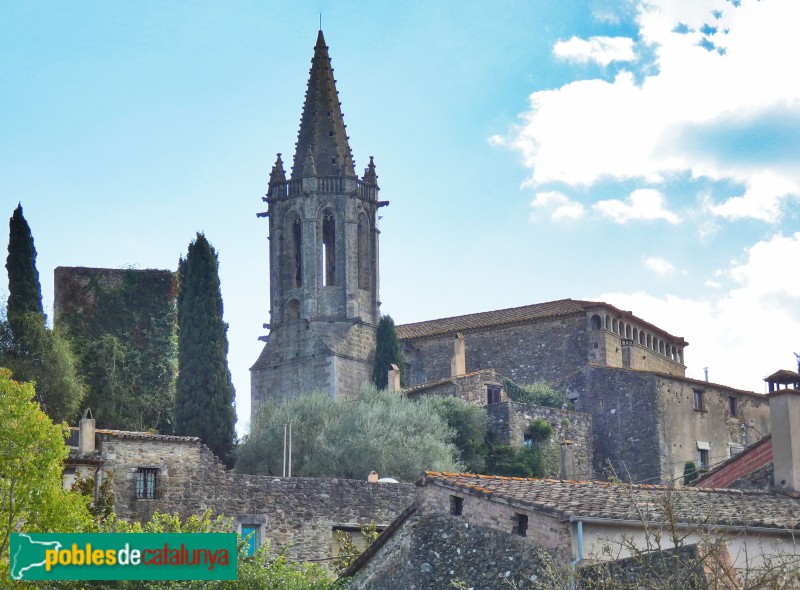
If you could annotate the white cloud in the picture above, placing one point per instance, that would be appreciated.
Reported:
(659, 265)
(641, 204)
(733, 62)
(601, 50)
(557, 205)
(733, 330)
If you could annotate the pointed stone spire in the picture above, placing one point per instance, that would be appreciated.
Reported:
(309, 164)
(322, 128)
(278, 174)
(369, 173)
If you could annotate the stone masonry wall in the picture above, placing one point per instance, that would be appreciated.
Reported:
(471, 388)
(547, 350)
(298, 512)
(436, 551)
(544, 530)
(510, 421)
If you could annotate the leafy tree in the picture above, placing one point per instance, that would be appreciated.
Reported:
(24, 290)
(377, 430)
(205, 395)
(387, 352)
(35, 353)
(526, 461)
(690, 473)
(540, 431)
(471, 426)
(32, 452)
(540, 393)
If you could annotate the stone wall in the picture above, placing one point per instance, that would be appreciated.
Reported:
(436, 551)
(646, 426)
(510, 422)
(300, 513)
(546, 350)
(472, 387)
(544, 530)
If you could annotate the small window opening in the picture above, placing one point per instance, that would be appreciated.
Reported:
(697, 400)
(527, 439)
(521, 525)
(250, 535)
(456, 506)
(702, 458)
(596, 322)
(732, 409)
(297, 253)
(147, 483)
(492, 394)
(328, 254)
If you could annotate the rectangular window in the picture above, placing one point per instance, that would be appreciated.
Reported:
(147, 487)
(698, 400)
(732, 406)
(527, 439)
(250, 536)
(702, 458)
(521, 525)
(492, 394)
(456, 506)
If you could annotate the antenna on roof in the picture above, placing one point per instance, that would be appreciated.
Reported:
(797, 356)
(705, 370)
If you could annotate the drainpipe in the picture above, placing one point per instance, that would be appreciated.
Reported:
(574, 563)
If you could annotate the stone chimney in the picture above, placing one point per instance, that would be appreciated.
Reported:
(627, 350)
(86, 444)
(458, 364)
(784, 415)
(372, 477)
(394, 378)
(566, 466)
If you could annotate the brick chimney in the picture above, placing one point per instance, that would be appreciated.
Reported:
(784, 415)
(86, 434)
(458, 364)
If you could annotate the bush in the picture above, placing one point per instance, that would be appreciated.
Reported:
(540, 393)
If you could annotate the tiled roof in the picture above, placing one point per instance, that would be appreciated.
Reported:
(147, 436)
(614, 501)
(514, 315)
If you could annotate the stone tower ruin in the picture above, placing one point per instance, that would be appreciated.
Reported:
(323, 257)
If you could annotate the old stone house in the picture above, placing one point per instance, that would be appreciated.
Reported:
(153, 472)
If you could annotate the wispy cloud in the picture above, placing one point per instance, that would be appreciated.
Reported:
(711, 65)
(660, 266)
(641, 205)
(557, 205)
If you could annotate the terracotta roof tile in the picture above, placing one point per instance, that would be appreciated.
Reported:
(594, 499)
(515, 315)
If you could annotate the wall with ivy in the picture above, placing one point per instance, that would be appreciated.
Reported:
(123, 327)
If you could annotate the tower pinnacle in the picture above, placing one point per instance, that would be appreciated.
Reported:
(322, 129)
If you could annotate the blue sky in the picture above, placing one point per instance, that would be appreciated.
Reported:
(641, 153)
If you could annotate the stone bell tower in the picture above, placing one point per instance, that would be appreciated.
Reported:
(323, 257)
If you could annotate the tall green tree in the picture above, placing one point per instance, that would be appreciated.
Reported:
(28, 347)
(387, 352)
(24, 290)
(205, 396)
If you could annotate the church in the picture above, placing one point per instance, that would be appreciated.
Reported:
(628, 375)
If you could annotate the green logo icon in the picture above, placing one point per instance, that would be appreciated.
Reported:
(123, 556)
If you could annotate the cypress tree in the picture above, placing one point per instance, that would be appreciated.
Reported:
(204, 398)
(24, 290)
(387, 352)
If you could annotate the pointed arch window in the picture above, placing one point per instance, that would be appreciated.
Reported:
(328, 250)
(364, 252)
(295, 252)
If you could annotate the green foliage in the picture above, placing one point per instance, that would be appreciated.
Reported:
(540, 431)
(347, 551)
(526, 461)
(387, 352)
(24, 290)
(102, 508)
(377, 430)
(690, 473)
(32, 452)
(540, 393)
(44, 357)
(471, 426)
(205, 396)
(123, 325)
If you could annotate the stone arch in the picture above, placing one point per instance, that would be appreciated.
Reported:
(293, 240)
(327, 253)
(635, 335)
(614, 327)
(596, 322)
(607, 323)
(628, 331)
(365, 251)
(641, 337)
(649, 341)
